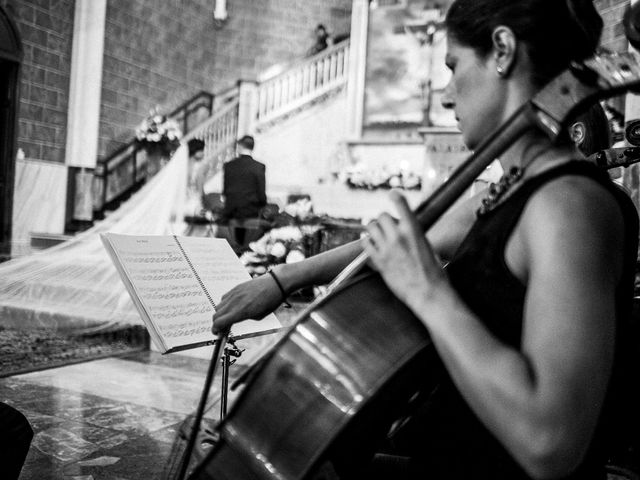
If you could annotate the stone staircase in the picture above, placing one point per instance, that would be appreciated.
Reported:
(284, 113)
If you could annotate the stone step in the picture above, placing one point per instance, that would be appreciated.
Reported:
(40, 241)
(19, 315)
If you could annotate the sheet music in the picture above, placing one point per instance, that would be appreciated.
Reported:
(220, 271)
(167, 288)
(173, 300)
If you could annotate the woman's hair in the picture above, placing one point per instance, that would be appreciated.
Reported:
(555, 32)
(597, 132)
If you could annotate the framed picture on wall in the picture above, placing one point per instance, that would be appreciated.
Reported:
(405, 74)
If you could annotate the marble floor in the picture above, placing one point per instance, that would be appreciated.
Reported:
(117, 418)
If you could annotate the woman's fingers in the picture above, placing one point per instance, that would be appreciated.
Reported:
(381, 230)
(220, 330)
(253, 299)
(405, 213)
(219, 323)
(229, 309)
(375, 235)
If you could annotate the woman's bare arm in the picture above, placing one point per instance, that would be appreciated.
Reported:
(260, 296)
(542, 402)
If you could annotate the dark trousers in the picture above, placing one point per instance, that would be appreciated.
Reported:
(15, 439)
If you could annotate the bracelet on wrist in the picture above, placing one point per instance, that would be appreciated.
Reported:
(280, 287)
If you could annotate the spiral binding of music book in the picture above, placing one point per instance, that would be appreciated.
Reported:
(195, 273)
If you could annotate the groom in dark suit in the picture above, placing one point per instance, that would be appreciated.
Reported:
(243, 185)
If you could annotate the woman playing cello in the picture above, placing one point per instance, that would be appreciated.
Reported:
(528, 315)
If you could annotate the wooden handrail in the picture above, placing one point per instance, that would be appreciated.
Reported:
(124, 165)
(201, 94)
(219, 134)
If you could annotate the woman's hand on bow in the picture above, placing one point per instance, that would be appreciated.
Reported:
(399, 250)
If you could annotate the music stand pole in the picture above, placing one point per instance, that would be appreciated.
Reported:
(230, 350)
(226, 363)
(219, 346)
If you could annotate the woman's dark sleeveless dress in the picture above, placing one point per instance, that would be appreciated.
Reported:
(457, 445)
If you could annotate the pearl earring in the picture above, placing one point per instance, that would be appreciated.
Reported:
(500, 70)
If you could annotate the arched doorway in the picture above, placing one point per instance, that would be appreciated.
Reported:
(10, 59)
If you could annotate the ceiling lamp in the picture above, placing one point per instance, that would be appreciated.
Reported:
(220, 14)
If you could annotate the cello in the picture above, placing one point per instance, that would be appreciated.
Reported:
(349, 365)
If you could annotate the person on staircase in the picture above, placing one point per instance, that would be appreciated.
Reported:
(323, 40)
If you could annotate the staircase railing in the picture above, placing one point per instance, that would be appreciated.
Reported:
(122, 172)
(238, 110)
(189, 114)
(277, 96)
(302, 82)
(219, 134)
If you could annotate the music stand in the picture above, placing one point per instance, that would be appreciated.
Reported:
(231, 350)
(225, 351)
(183, 462)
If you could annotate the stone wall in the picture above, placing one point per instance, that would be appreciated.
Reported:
(157, 52)
(613, 33)
(46, 28)
(162, 52)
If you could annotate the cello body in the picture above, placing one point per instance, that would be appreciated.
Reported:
(344, 365)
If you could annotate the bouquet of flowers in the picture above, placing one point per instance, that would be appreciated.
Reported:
(301, 209)
(278, 245)
(158, 131)
(359, 176)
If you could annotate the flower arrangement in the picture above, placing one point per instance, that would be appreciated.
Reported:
(359, 176)
(296, 233)
(301, 209)
(159, 131)
(292, 238)
(298, 213)
(279, 245)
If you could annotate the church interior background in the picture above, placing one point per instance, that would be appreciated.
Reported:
(81, 82)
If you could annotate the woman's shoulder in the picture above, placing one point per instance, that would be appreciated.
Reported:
(577, 208)
(575, 193)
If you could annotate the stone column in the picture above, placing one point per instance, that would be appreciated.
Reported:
(86, 83)
(357, 68)
(247, 107)
(84, 103)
